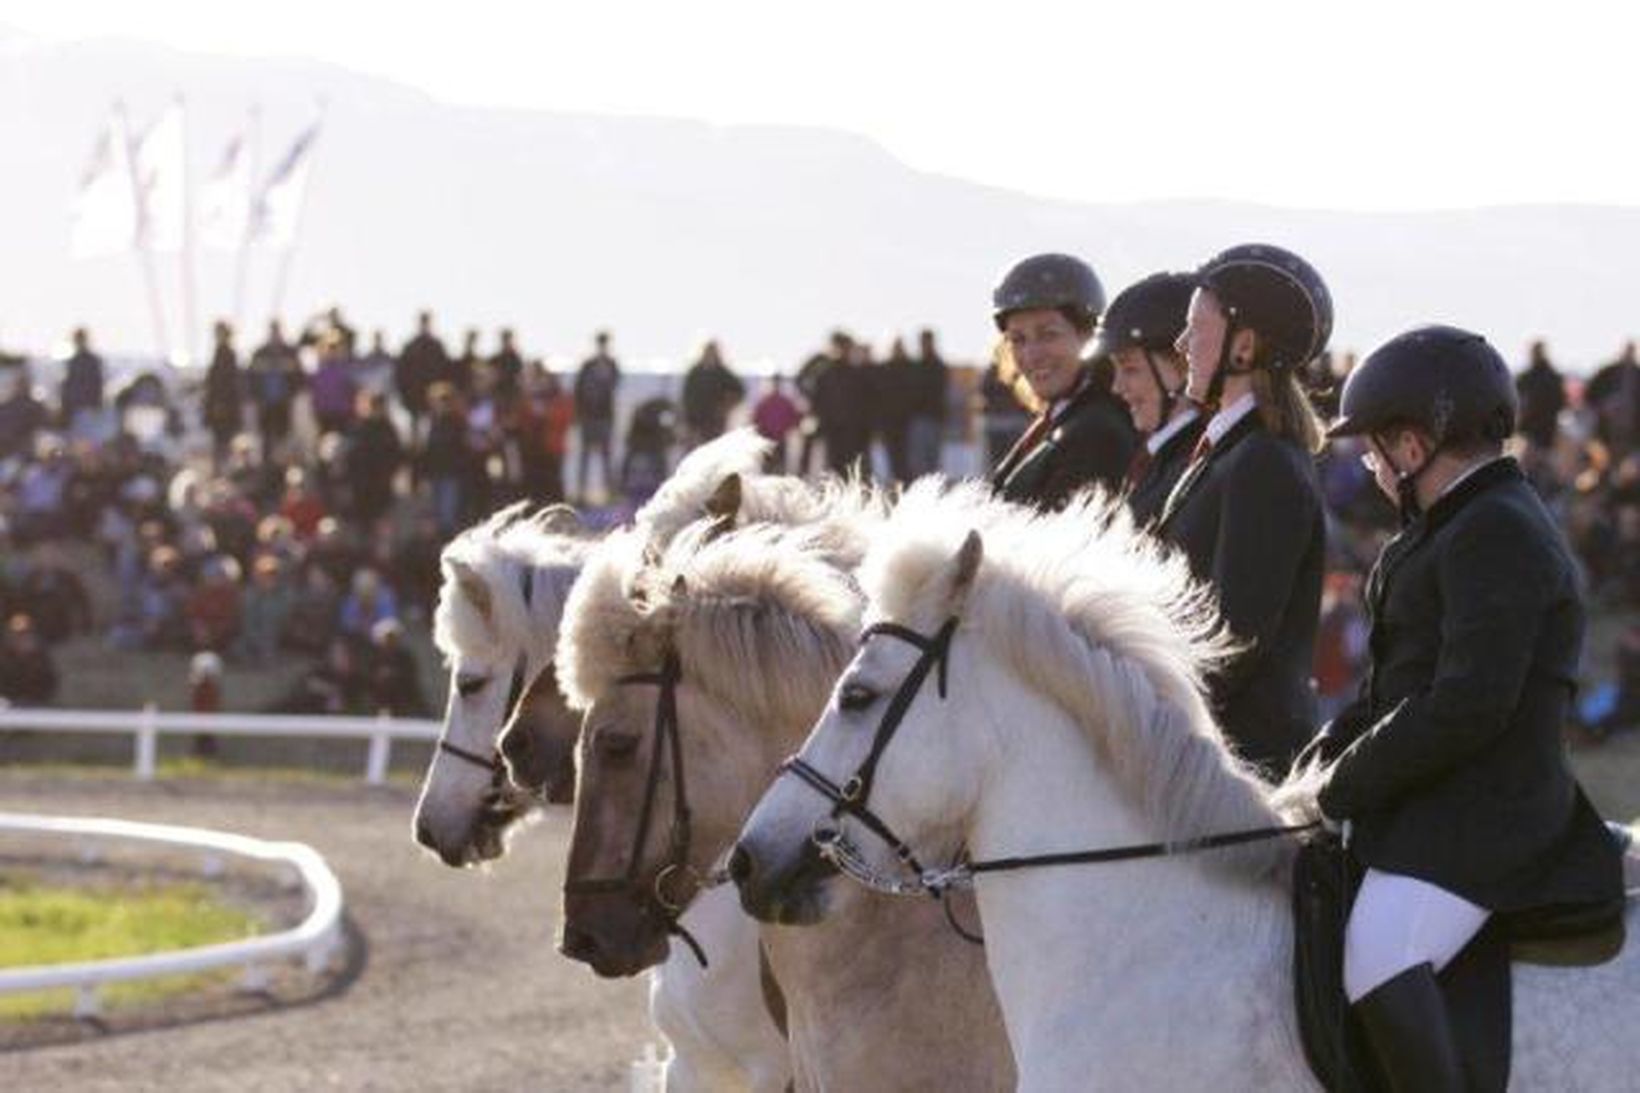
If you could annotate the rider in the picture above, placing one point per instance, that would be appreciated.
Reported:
(1449, 766)
(1046, 308)
(1247, 511)
(1137, 332)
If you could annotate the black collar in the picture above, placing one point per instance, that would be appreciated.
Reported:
(1450, 503)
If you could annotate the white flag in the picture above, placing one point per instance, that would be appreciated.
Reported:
(278, 206)
(226, 214)
(161, 183)
(105, 209)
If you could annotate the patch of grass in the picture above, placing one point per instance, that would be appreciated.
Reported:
(46, 924)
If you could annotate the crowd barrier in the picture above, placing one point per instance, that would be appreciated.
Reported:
(315, 940)
(148, 724)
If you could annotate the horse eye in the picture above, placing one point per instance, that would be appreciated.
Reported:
(617, 746)
(856, 696)
(469, 686)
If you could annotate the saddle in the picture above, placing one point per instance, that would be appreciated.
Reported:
(1477, 983)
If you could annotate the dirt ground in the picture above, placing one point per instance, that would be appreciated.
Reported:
(450, 982)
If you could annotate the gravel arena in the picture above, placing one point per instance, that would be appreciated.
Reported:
(450, 980)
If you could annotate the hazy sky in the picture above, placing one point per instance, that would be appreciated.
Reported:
(1384, 105)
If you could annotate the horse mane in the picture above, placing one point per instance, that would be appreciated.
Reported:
(1100, 616)
(499, 551)
(745, 609)
(681, 499)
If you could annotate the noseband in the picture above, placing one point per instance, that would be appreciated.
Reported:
(666, 739)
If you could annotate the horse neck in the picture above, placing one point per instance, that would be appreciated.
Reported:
(1064, 943)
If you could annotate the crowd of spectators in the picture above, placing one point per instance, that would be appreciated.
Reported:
(294, 501)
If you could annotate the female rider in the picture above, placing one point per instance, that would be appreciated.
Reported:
(1247, 511)
(1046, 308)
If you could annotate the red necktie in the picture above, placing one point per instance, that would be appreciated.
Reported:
(1139, 465)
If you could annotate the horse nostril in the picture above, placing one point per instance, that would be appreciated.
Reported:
(740, 865)
(578, 944)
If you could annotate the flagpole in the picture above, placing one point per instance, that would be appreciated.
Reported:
(190, 314)
(145, 258)
(301, 215)
(253, 149)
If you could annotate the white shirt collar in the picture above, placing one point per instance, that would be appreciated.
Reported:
(1228, 416)
(1470, 473)
(1060, 404)
(1171, 429)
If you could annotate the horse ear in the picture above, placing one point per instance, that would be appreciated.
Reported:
(725, 500)
(965, 567)
(474, 588)
(558, 520)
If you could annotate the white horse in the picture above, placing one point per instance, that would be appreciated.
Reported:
(1072, 718)
(505, 584)
(759, 621)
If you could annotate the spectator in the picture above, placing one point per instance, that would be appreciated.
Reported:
(1613, 396)
(22, 415)
(81, 394)
(649, 439)
(333, 388)
(775, 416)
(462, 368)
(335, 685)
(595, 387)
(507, 367)
(374, 457)
(808, 387)
(416, 567)
(443, 462)
(925, 431)
(301, 504)
(215, 606)
(422, 362)
(394, 680)
(223, 408)
(1542, 396)
(374, 371)
(545, 415)
(275, 377)
(368, 602)
(893, 391)
(841, 389)
(710, 394)
(154, 619)
(311, 623)
(53, 596)
(205, 696)
(267, 608)
(28, 676)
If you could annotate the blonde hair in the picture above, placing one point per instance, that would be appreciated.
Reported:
(1013, 379)
(1286, 410)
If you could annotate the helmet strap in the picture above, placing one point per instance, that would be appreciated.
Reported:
(1169, 398)
(1406, 482)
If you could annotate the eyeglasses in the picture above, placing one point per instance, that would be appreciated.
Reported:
(1370, 460)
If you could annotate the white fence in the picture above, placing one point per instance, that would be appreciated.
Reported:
(315, 940)
(146, 726)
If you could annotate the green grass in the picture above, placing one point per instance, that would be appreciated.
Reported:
(46, 924)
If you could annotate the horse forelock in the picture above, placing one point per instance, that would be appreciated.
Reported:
(499, 551)
(1096, 614)
(601, 617)
(763, 620)
(681, 499)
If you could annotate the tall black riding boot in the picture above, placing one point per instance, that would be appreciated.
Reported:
(1411, 1034)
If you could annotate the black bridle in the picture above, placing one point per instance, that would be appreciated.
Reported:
(852, 798)
(493, 762)
(653, 897)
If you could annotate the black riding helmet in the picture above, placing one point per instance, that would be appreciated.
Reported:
(1049, 281)
(1276, 294)
(1444, 380)
(1448, 382)
(1148, 315)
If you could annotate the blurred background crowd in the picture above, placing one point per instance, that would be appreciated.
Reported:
(282, 511)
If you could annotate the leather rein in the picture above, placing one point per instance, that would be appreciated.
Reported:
(852, 796)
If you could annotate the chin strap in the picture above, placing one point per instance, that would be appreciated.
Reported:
(1170, 398)
(1407, 505)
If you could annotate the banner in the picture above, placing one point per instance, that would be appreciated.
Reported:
(225, 204)
(161, 179)
(105, 209)
(278, 209)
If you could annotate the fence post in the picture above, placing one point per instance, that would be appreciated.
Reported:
(375, 769)
(146, 741)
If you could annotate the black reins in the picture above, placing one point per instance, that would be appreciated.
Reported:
(666, 741)
(493, 762)
(852, 797)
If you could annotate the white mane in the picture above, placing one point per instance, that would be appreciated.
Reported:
(681, 499)
(1099, 616)
(499, 552)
